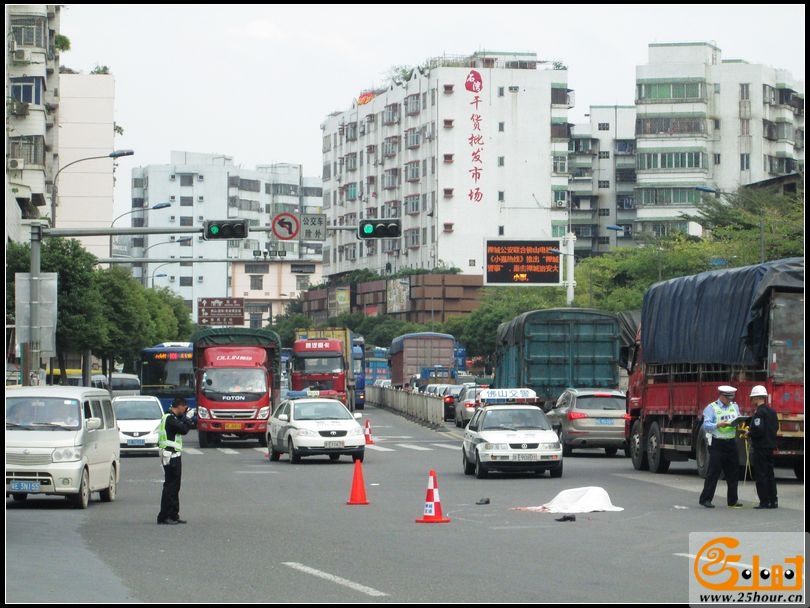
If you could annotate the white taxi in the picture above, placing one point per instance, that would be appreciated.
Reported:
(311, 424)
(510, 432)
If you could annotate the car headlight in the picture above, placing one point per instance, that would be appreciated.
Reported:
(356, 431)
(490, 447)
(306, 433)
(264, 413)
(203, 413)
(550, 446)
(71, 454)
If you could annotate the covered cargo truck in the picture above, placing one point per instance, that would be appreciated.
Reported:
(422, 358)
(345, 336)
(237, 374)
(554, 349)
(738, 326)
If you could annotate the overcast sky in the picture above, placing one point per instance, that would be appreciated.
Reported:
(255, 82)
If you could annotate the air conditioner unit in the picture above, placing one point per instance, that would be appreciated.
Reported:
(199, 278)
(560, 203)
(200, 218)
(171, 198)
(19, 108)
(16, 163)
(172, 177)
(171, 279)
(200, 199)
(22, 55)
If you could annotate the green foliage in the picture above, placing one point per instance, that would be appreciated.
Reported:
(61, 43)
(100, 69)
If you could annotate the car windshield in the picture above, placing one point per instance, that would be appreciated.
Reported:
(600, 402)
(37, 413)
(320, 411)
(513, 420)
(138, 410)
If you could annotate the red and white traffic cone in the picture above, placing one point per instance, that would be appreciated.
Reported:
(433, 504)
(367, 433)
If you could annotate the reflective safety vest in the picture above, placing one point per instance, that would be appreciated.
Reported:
(163, 440)
(725, 413)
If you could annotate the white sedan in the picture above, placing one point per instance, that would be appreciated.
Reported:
(138, 423)
(510, 437)
(315, 426)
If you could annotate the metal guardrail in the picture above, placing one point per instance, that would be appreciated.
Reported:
(425, 408)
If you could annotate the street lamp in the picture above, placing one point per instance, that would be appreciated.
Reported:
(144, 209)
(717, 193)
(160, 274)
(163, 274)
(54, 198)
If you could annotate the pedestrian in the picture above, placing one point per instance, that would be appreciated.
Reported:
(762, 431)
(173, 426)
(718, 422)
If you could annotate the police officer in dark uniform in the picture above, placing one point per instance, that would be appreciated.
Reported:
(763, 429)
(173, 426)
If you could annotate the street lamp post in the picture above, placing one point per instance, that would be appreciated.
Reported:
(160, 274)
(54, 198)
(144, 209)
(163, 274)
(186, 239)
(570, 283)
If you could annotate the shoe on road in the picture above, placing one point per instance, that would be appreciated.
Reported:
(178, 521)
(738, 505)
(169, 522)
(707, 503)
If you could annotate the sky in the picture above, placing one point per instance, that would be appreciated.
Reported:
(256, 82)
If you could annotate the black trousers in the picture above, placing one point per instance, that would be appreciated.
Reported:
(170, 499)
(764, 475)
(723, 459)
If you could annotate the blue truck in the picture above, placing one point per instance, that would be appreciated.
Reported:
(551, 350)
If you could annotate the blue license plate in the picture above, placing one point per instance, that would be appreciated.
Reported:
(604, 420)
(25, 486)
(135, 442)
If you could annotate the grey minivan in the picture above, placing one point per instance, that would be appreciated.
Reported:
(61, 440)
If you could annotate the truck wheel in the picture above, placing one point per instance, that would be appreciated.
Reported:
(798, 469)
(263, 440)
(202, 437)
(655, 454)
(611, 451)
(702, 454)
(637, 453)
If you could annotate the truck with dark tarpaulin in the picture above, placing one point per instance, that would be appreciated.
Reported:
(737, 326)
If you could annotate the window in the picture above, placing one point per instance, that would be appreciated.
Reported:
(185, 281)
(716, 124)
(256, 282)
(717, 87)
(186, 201)
(604, 183)
(448, 158)
(559, 164)
(501, 196)
(716, 159)
(448, 123)
(745, 91)
(186, 220)
(604, 154)
(501, 161)
(187, 180)
(745, 162)
(604, 126)
(448, 193)
(745, 126)
(27, 90)
(501, 127)
(500, 91)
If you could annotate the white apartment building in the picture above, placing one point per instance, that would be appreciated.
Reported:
(32, 101)
(461, 149)
(196, 187)
(708, 122)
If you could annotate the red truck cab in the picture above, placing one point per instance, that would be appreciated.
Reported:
(319, 365)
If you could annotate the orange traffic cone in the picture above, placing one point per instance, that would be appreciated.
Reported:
(369, 440)
(358, 495)
(433, 504)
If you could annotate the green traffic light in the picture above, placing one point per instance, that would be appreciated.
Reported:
(368, 229)
(213, 229)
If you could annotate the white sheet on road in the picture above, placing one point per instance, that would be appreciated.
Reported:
(576, 500)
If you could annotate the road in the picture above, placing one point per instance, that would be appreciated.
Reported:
(262, 531)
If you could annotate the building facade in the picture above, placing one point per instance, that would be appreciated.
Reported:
(264, 269)
(461, 149)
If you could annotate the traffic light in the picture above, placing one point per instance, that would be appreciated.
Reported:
(225, 229)
(379, 229)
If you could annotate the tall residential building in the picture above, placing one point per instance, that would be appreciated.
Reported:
(86, 131)
(32, 98)
(708, 122)
(602, 166)
(263, 269)
(461, 149)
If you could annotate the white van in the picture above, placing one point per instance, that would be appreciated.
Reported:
(125, 385)
(61, 440)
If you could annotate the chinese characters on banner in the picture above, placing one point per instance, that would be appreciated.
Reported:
(475, 84)
(522, 263)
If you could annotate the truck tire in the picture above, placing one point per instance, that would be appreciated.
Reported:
(637, 453)
(202, 437)
(702, 454)
(263, 440)
(655, 454)
(798, 469)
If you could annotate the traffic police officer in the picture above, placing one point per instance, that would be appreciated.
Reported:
(718, 421)
(763, 430)
(173, 426)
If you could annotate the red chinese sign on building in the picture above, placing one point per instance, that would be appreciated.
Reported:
(224, 312)
(475, 84)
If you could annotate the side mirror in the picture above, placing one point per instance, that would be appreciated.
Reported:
(93, 424)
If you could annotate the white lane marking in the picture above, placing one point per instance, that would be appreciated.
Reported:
(374, 446)
(227, 450)
(410, 446)
(192, 451)
(447, 446)
(335, 579)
